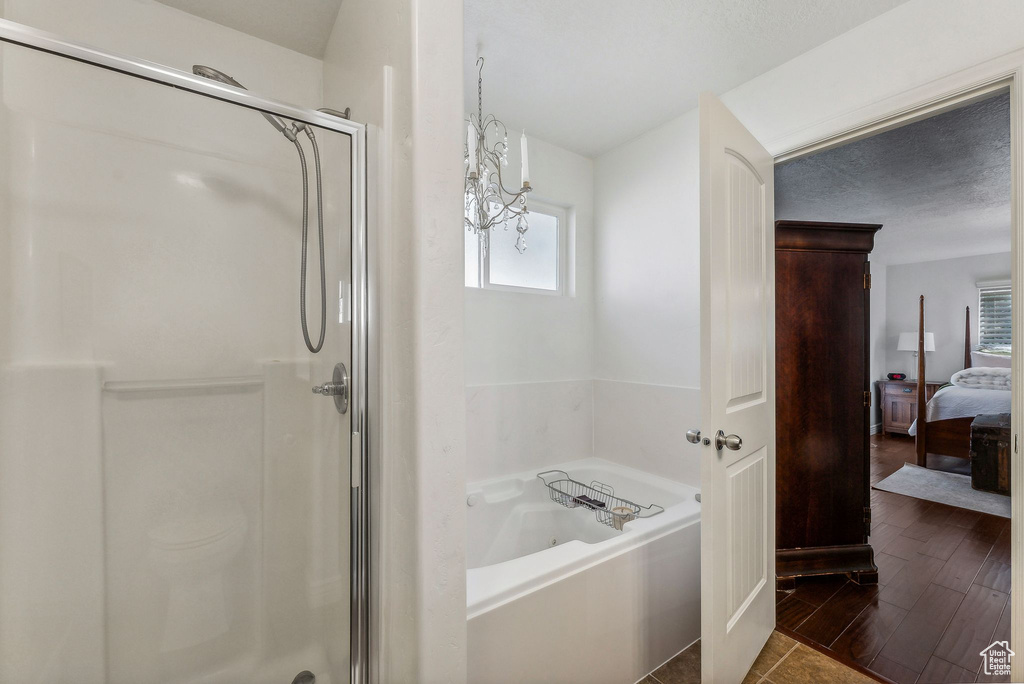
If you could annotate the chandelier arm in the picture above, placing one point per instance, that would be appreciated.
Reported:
(492, 120)
(520, 192)
(513, 212)
(485, 186)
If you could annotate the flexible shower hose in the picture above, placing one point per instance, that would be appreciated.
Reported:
(305, 245)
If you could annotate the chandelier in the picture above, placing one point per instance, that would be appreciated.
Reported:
(489, 204)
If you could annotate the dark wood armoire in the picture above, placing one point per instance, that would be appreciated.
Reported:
(823, 400)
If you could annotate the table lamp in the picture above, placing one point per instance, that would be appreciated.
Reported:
(908, 342)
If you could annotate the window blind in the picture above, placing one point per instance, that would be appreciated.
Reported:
(995, 318)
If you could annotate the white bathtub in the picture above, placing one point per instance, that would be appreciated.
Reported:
(555, 596)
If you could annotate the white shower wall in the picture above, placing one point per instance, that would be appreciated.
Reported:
(35, 96)
(152, 235)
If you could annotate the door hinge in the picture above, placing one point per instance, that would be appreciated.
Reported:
(867, 281)
(867, 398)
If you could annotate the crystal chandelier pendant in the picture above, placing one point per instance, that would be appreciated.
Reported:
(522, 225)
(489, 203)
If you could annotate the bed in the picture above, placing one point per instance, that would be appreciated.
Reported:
(946, 427)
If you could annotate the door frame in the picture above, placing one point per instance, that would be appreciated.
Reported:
(365, 366)
(919, 103)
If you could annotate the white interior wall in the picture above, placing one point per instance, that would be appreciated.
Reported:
(397, 63)
(438, 187)
(522, 337)
(848, 79)
(529, 394)
(647, 301)
(877, 339)
(648, 306)
(948, 286)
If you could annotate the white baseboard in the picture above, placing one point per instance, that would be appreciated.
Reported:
(876, 428)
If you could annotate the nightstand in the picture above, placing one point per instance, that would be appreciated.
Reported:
(899, 403)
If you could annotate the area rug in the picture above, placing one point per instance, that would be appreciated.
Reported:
(948, 488)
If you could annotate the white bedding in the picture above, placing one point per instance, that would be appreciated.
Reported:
(960, 402)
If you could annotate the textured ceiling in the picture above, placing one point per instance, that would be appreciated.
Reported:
(591, 74)
(940, 187)
(302, 26)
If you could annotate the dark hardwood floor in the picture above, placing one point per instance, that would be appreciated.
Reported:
(942, 594)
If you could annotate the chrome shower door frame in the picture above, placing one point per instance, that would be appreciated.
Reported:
(359, 600)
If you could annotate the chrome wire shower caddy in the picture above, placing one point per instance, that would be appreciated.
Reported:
(610, 510)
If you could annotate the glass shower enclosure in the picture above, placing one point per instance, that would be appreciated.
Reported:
(177, 503)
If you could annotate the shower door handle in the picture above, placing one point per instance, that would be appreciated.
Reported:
(337, 388)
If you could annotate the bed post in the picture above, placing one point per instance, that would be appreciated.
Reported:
(967, 340)
(922, 397)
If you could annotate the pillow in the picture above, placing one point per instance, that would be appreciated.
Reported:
(982, 378)
(985, 360)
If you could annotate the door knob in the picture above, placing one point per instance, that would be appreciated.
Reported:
(731, 442)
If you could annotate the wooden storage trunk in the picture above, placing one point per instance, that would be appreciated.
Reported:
(990, 453)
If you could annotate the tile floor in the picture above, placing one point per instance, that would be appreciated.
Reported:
(781, 661)
(942, 594)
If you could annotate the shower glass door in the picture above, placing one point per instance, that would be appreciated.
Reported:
(174, 499)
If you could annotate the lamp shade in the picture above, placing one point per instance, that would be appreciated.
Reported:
(908, 342)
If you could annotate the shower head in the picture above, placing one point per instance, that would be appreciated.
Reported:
(215, 75)
(221, 77)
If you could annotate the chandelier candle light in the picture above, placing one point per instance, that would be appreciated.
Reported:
(488, 202)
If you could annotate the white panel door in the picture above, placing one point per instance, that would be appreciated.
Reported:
(737, 323)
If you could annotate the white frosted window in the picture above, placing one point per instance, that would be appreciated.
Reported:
(537, 267)
(504, 267)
